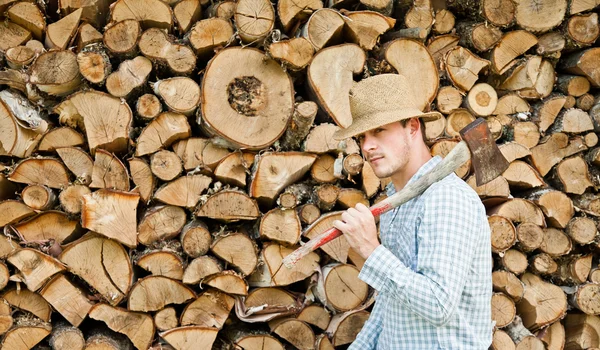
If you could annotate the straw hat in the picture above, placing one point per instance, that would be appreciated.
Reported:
(380, 100)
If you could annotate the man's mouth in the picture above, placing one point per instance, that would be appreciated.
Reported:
(375, 158)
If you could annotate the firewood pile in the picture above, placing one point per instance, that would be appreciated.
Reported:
(158, 159)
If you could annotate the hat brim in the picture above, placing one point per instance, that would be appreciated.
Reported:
(382, 118)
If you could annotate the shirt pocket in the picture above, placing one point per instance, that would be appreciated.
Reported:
(401, 242)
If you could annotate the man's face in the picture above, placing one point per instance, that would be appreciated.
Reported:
(386, 148)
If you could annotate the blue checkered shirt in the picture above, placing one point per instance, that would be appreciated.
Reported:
(432, 272)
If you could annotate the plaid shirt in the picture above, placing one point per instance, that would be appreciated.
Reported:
(432, 271)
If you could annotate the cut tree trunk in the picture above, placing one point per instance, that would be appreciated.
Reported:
(66, 298)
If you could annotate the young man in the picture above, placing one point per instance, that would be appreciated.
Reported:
(433, 267)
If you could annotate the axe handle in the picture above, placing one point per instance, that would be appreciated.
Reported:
(457, 156)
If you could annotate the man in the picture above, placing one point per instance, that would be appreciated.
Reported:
(433, 267)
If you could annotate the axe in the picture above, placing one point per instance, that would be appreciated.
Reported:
(487, 160)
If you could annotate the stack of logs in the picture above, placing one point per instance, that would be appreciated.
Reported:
(158, 159)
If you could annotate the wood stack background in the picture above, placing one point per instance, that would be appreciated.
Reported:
(160, 158)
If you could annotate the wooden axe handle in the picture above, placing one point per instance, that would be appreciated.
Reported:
(457, 156)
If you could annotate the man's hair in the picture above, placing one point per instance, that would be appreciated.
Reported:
(404, 122)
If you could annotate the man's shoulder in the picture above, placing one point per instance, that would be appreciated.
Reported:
(452, 188)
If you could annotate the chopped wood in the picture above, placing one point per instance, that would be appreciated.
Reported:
(138, 327)
(12, 35)
(556, 242)
(316, 315)
(142, 177)
(6, 319)
(38, 197)
(585, 102)
(28, 16)
(463, 68)
(443, 147)
(572, 176)
(104, 339)
(49, 225)
(552, 150)
(200, 268)
(60, 138)
(502, 341)
(580, 331)
(496, 188)
(159, 223)
(543, 264)
(184, 191)
(339, 287)
(448, 99)
(582, 230)
(229, 206)
(585, 298)
(330, 73)
(190, 337)
(337, 248)
(240, 118)
(297, 332)
(364, 27)
(162, 263)
(573, 85)
(26, 335)
(148, 106)
(66, 337)
(271, 272)
(34, 267)
(161, 132)
(507, 283)
(503, 233)
(553, 337)
(520, 210)
(187, 13)
(109, 172)
(581, 30)
(514, 261)
(209, 34)
(530, 236)
(14, 211)
(19, 57)
(165, 165)
(270, 300)
(542, 304)
(345, 327)
(70, 301)
(521, 175)
(180, 94)
(112, 214)
(195, 238)
(254, 20)
(234, 168)
(166, 319)
(294, 53)
(155, 45)
(78, 162)
(512, 45)
(291, 13)
(503, 309)
(28, 301)
(281, 225)
(60, 33)
(210, 309)
(153, 293)
(457, 120)
(150, 13)
(308, 213)
(131, 75)
(320, 140)
(582, 63)
(478, 36)
(43, 171)
(324, 27)
(87, 35)
(228, 282)
(238, 250)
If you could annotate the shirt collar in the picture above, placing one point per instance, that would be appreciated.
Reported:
(424, 169)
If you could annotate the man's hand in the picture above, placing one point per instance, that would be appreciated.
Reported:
(358, 225)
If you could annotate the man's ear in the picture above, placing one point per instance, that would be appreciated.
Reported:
(415, 126)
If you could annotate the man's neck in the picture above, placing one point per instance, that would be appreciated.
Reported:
(415, 162)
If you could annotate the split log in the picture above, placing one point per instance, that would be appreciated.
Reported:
(34, 267)
(364, 27)
(155, 45)
(131, 75)
(339, 288)
(187, 13)
(166, 319)
(581, 331)
(320, 140)
(150, 13)
(142, 177)
(553, 336)
(542, 304)
(13, 35)
(281, 225)
(6, 319)
(302, 119)
(4, 276)
(520, 210)
(291, 13)
(190, 337)
(161, 132)
(43, 171)
(503, 233)
(121, 38)
(60, 138)
(138, 327)
(29, 301)
(160, 223)
(238, 250)
(195, 239)
(180, 94)
(345, 327)
(162, 263)
(337, 248)
(104, 118)
(245, 105)
(229, 206)
(60, 33)
(509, 284)
(14, 211)
(514, 261)
(530, 236)
(229, 282)
(329, 74)
(87, 34)
(49, 225)
(463, 67)
(316, 315)
(271, 272)
(547, 110)
(19, 57)
(581, 63)
(552, 150)
(510, 46)
(25, 335)
(78, 162)
(571, 176)
(28, 16)
(106, 266)
(234, 168)
(296, 332)
(70, 301)
(582, 230)
(109, 172)
(38, 197)
(153, 293)
(112, 214)
(200, 268)
(495, 188)
(502, 341)
(323, 28)
(210, 309)
(585, 298)
(521, 175)
(209, 34)
(478, 36)
(264, 301)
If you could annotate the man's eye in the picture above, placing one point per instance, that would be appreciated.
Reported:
(377, 131)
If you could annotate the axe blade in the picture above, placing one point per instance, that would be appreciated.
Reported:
(488, 162)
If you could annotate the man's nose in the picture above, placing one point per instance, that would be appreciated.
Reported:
(368, 144)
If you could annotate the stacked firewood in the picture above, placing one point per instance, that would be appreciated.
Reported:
(158, 159)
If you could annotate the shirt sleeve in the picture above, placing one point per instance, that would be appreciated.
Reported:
(450, 229)
(368, 336)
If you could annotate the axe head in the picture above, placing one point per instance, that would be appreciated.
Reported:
(488, 162)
